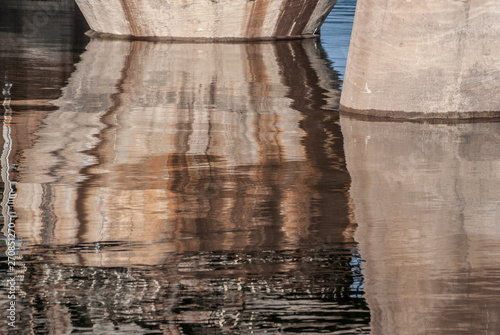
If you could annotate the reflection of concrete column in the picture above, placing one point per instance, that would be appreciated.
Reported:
(427, 202)
(177, 147)
(424, 58)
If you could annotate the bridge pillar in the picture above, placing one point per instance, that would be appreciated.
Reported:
(425, 58)
(206, 19)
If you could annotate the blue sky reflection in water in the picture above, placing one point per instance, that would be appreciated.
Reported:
(336, 34)
(175, 188)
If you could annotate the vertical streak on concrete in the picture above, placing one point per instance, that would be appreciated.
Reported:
(191, 19)
(285, 21)
(304, 17)
(257, 17)
(294, 17)
(128, 10)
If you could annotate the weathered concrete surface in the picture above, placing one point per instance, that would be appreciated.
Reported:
(424, 58)
(427, 204)
(206, 19)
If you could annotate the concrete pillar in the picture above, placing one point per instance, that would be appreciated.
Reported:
(206, 19)
(426, 58)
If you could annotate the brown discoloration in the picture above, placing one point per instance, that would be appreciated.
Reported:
(303, 18)
(294, 17)
(129, 11)
(206, 20)
(257, 17)
(290, 10)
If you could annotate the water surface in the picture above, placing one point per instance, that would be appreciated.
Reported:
(163, 188)
(175, 188)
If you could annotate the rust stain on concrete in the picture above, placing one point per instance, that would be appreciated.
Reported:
(207, 20)
(294, 17)
(285, 19)
(131, 18)
(257, 17)
(303, 18)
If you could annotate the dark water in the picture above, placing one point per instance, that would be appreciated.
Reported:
(173, 188)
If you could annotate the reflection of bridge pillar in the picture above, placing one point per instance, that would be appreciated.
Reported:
(427, 205)
(424, 58)
(182, 147)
